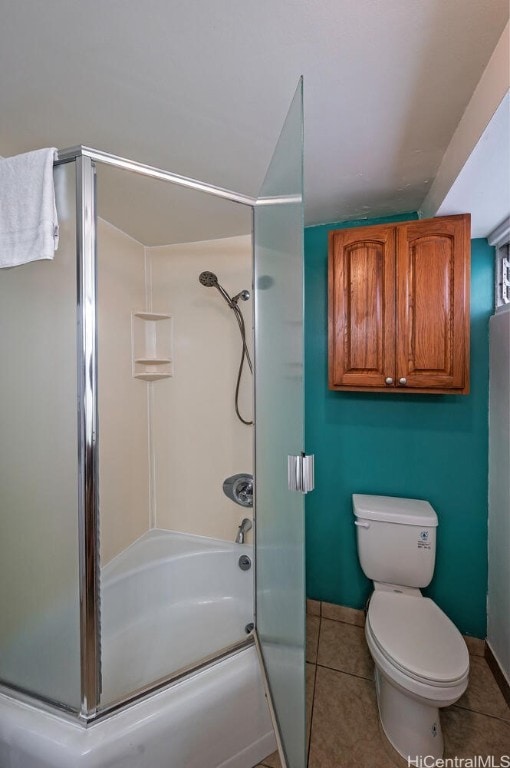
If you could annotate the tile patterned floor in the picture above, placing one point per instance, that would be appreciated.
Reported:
(342, 720)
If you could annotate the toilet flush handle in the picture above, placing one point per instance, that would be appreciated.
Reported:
(361, 524)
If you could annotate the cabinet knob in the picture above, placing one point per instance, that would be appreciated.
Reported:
(402, 381)
(388, 380)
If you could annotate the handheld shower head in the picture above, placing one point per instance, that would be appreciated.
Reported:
(208, 279)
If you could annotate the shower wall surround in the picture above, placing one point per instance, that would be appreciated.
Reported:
(196, 436)
(123, 416)
(425, 446)
(166, 447)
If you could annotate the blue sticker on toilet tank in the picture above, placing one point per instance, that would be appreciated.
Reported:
(423, 541)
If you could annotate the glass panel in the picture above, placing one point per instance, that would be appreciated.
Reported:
(280, 414)
(169, 350)
(39, 592)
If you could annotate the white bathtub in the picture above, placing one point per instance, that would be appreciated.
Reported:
(167, 602)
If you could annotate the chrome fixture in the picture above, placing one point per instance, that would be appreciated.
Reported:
(243, 529)
(244, 563)
(210, 280)
(239, 488)
(244, 295)
(301, 476)
(106, 158)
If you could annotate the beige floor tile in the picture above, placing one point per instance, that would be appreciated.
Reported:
(313, 607)
(312, 637)
(343, 613)
(468, 734)
(483, 694)
(273, 761)
(345, 729)
(476, 647)
(343, 647)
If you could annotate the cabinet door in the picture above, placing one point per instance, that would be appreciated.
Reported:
(361, 307)
(432, 333)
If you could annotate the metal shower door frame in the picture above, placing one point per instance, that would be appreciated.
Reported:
(88, 496)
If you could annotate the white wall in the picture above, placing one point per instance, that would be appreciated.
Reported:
(498, 628)
(487, 96)
(123, 419)
(197, 439)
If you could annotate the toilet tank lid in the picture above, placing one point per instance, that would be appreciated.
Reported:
(391, 509)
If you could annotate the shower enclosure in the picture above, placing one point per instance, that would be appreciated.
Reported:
(120, 575)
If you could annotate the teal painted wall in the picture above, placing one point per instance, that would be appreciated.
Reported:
(433, 447)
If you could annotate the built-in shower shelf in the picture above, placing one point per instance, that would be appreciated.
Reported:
(152, 342)
(153, 360)
(152, 315)
(152, 376)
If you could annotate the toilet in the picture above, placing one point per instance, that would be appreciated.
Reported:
(421, 659)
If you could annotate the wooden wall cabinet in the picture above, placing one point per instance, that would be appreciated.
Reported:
(399, 307)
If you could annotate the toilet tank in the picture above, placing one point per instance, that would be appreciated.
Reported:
(396, 539)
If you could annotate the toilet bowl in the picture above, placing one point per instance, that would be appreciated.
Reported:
(421, 663)
(421, 659)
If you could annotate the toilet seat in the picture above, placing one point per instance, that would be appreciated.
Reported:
(416, 637)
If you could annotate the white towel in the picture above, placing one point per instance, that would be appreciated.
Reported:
(28, 216)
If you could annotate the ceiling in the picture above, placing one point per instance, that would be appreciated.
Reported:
(201, 88)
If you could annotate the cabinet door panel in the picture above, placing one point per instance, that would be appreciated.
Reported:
(433, 303)
(361, 307)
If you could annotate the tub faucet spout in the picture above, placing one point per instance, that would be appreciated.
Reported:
(243, 529)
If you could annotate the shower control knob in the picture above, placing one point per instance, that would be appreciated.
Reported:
(388, 380)
(239, 488)
(402, 381)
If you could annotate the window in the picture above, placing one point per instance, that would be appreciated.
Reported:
(500, 238)
(502, 275)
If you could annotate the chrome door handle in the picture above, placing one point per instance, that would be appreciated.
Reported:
(388, 380)
(300, 473)
(402, 381)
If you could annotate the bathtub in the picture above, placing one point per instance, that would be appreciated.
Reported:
(167, 602)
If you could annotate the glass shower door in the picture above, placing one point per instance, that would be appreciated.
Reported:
(279, 403)
(39, 566)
